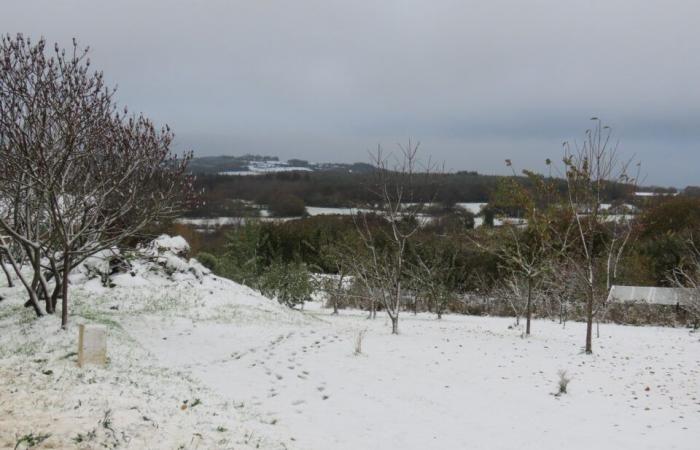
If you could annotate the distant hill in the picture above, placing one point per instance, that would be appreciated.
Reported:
(259, 164)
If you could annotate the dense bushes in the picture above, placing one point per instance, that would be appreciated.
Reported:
(258, 253)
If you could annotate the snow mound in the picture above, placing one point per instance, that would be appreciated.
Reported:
(158, 279)
(173, 244)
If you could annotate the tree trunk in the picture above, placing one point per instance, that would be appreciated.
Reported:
(10, 283)
(64, 288)
(529, 306)
(57, 290)
(561, 312)
(337, 292)
(33, 299)
(394, 324)
(39, 283)
(589, 321)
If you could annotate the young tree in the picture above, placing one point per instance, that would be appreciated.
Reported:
(523, 249)
(589, 245)
(510, 288)
(524, 256)
(388, 245)
(560, 286)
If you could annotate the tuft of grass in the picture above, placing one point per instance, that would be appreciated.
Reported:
(32, 440)
(69, 355)
(107, 420)
(80, 438)
(563, 383)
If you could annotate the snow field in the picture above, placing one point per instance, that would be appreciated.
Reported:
(197, 361)
(462, 382)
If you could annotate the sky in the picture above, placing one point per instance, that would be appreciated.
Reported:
(475, 82)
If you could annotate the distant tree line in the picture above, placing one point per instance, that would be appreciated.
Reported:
(344, 189)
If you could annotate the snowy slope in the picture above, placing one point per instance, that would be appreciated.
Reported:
(133, 402)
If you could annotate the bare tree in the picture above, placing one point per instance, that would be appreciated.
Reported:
(560, 285)
(523, 248)
(590, 169)
(511, 291)
(79, 176)
(387, 244)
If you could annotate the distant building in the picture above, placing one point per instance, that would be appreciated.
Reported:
(655, 194)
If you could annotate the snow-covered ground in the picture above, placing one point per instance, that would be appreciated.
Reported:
(274, 378)
(265, 216)
(462, 382)
(134, 402)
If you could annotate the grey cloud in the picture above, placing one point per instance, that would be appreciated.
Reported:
(475, 81)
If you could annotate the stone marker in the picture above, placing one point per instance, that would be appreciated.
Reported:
(92, 345)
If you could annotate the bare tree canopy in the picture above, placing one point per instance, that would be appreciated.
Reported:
(78, 175)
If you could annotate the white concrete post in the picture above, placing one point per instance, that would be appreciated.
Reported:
(92, 345)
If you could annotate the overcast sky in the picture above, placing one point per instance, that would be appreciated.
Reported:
(475, 81)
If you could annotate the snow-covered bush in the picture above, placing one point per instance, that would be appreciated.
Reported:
(104, 264)
(169, 253)
(177, 245)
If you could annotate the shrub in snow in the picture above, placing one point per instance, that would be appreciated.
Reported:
(290, 284)
(208, 260)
